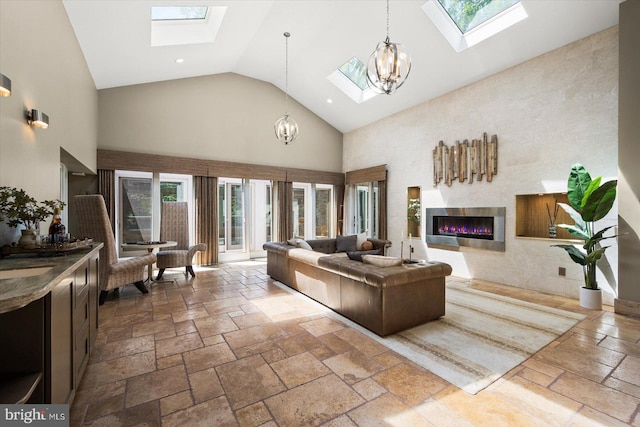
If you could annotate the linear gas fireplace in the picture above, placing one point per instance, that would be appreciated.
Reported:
(481, 228)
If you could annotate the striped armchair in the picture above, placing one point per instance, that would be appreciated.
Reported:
(174, 226)
(93, 222)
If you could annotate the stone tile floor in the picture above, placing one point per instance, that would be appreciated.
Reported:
(232, 348)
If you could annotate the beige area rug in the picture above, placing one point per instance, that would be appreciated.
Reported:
(481, 337)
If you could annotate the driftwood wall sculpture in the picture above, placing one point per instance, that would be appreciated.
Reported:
(464, 160)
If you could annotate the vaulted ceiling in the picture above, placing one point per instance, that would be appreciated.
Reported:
(115, 38)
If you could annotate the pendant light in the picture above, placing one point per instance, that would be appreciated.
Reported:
(388, 66)
(285, 127)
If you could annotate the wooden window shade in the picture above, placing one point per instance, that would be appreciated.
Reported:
(375, 173)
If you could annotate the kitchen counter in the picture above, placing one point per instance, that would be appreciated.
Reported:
(17, 292)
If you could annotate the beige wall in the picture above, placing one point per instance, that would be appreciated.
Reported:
(550, 112)
(40, 54)
(629, 152)
(221, 117)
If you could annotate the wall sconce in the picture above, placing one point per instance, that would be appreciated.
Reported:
(38, 119)
(5, 85)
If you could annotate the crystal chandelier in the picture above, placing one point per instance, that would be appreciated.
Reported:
(286, 128)
(388, 65)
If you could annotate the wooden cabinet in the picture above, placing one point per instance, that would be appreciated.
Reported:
(48, 342)
(58, 329)
(70, 331)
(22, 358)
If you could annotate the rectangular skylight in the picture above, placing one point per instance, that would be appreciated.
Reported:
(465, 23)
(468, 14)
(351, 78)
(356, 72)
(171, 26)
(178, 13)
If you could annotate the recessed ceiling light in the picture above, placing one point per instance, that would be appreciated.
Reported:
(179, 60)
(329, 101)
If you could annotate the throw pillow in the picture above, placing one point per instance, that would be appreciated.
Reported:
(381, 261)
(360, 239)
(357, 255)
(299, 243)
(367, 245)
(345, 243)
(302, 244)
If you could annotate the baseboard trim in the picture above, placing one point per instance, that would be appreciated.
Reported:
(626, 307)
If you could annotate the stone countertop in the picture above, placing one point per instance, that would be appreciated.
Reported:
(20, 291)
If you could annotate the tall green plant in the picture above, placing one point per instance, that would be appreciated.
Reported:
(589, 201)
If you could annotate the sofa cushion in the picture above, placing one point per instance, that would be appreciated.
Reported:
(346, 243)
(357, 255)
(381, 261)
(360, 239)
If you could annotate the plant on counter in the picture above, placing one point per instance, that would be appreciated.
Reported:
(17, 207)
(590, 201)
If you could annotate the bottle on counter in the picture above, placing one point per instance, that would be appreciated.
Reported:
(57, 230)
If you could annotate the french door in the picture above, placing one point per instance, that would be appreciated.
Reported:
(367, 209)
(139, 203)
(230, 215)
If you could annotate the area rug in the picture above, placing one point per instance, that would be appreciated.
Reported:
(481, 337)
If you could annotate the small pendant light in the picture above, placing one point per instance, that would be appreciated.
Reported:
(285, 127)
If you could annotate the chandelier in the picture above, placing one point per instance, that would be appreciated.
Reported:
(285, 127)
(388, 65)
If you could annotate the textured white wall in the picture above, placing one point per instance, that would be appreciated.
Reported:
(549, 112)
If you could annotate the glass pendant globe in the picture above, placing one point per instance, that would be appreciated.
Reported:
(388, 67)
(286, 129)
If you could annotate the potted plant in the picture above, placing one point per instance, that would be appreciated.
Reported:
(590, 200)
(18, 208)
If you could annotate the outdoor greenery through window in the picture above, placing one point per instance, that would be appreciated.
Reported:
(468, 14)
(173, 13)
(355, 71)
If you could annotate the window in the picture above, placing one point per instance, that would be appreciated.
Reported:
(351, 78)
(366, 205)
(181, 25)
(135, 210)
(139, 197)
(323, 211)
(313, 211)
(172, 13)
(259, 225)
(465, 23)
(230, 214)
(298, 211)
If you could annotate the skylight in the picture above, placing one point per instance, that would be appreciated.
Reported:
(181, 25)
(356, 72)
(469, 14)
(465, 23)
(173, 13)
(351, 78)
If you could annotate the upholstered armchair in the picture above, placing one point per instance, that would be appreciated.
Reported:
(93, 222)
(174, 226)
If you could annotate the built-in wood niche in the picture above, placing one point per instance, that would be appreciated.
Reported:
(414, 211)
(532, 217)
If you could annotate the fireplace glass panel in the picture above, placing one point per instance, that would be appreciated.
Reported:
(464, 226)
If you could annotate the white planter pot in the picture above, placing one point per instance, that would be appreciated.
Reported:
(28, 239)
(591, 298)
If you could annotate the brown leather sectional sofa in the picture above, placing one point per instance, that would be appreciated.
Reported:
(383, 300)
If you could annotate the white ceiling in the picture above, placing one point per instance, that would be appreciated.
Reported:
(115, 38)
